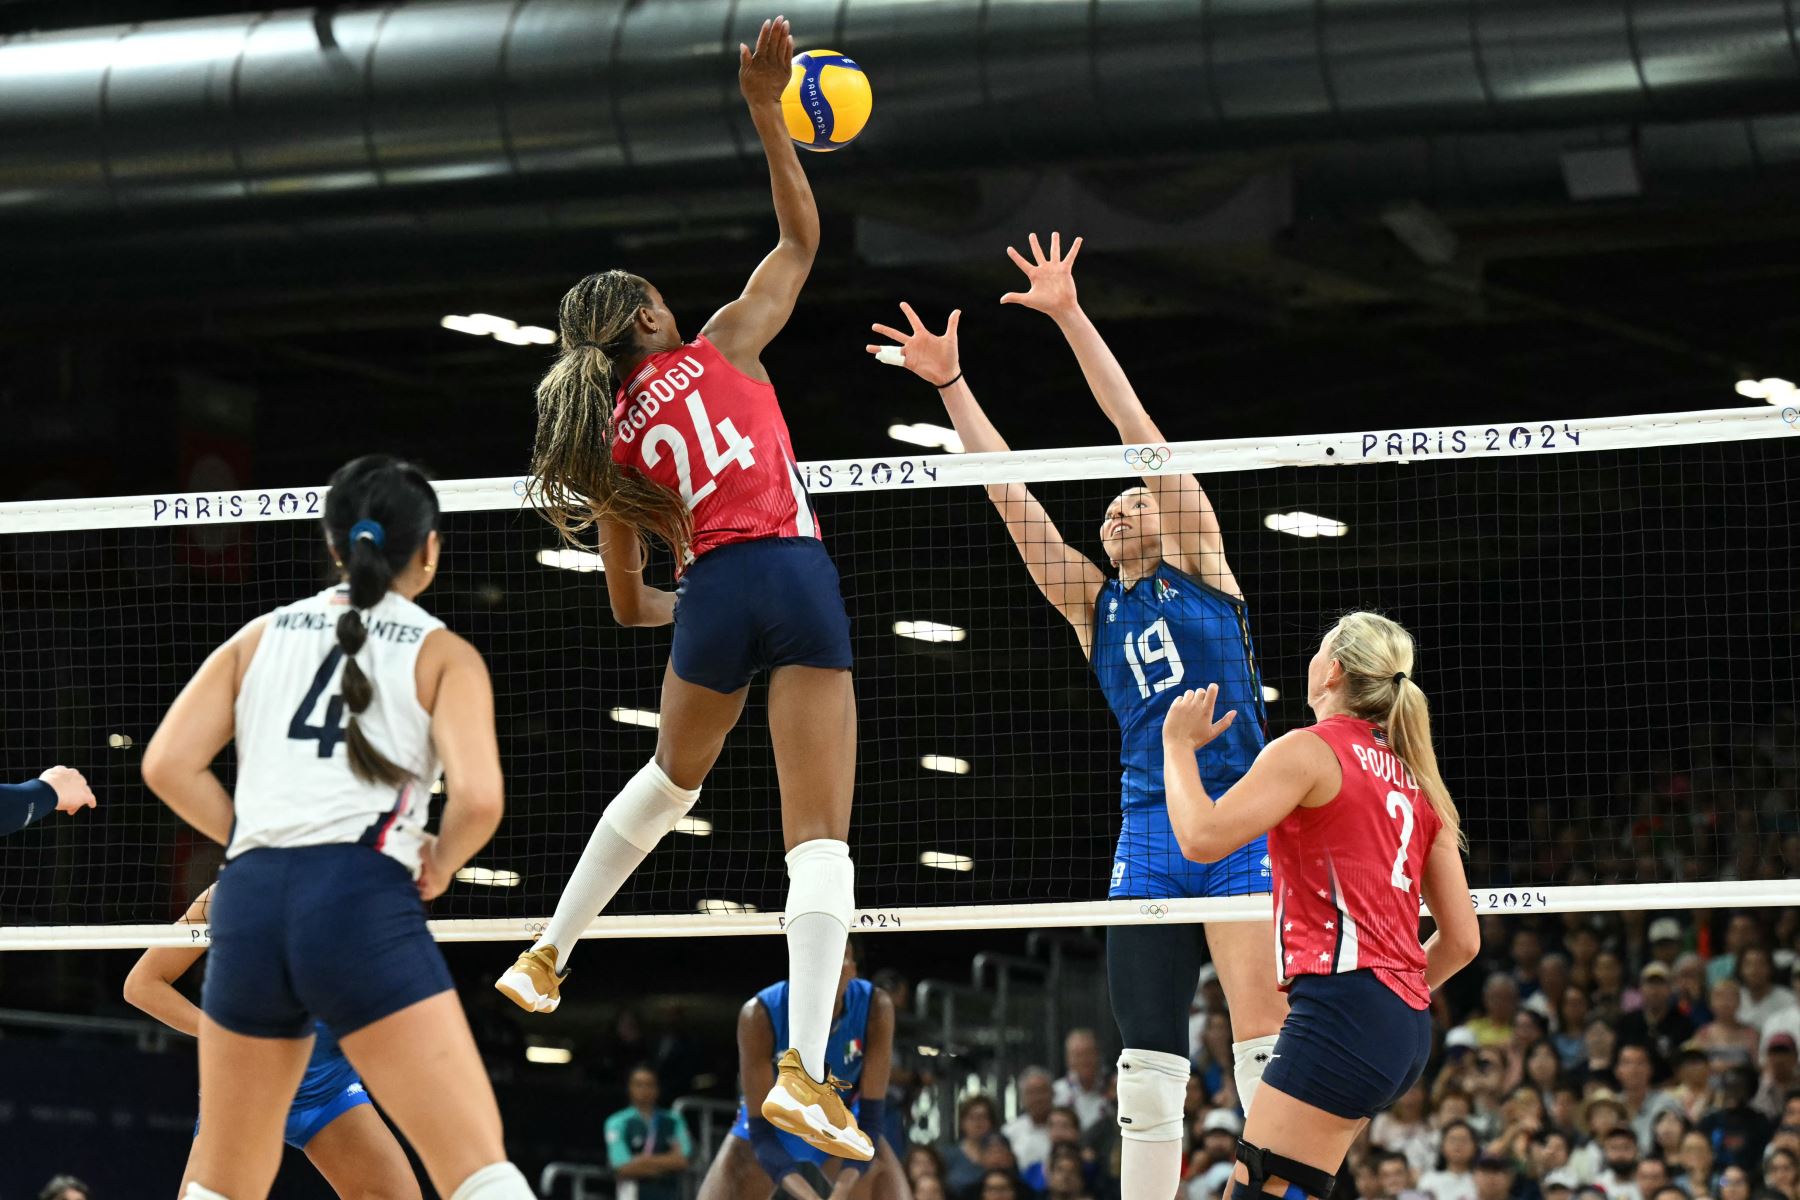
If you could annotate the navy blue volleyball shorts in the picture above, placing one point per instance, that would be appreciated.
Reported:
(1349, 1045)
(333, 932)
(749, 607)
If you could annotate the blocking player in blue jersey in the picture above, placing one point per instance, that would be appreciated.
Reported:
(1173, 618)
(858, 1056)
(332, 1120)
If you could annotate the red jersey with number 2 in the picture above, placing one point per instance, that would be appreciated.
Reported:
(1347, 873)
(699, 426)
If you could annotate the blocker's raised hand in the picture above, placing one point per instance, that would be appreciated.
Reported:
(1052, 277)
(933, 357)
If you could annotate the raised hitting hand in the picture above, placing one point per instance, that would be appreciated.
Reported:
(763, 72)
(1052, 277)
(931, 356)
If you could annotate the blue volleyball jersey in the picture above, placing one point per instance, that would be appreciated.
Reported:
(843, 1056)
(849, 1035)
(1154, 640)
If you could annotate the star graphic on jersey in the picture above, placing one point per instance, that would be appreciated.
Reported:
(1330, 925)
(1290, 958)
(1289, 927)
(1318, 862)
(1324, 954)
(1322, 894)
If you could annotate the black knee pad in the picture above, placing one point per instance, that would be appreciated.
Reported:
(1264, 1165)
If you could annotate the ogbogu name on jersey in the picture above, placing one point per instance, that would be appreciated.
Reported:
(651, 395)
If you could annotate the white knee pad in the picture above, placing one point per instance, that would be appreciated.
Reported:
(821, 879)
(1152, 1094)
(196, 1192)
(497, 1181)
(1248, 1061)
(648, 808)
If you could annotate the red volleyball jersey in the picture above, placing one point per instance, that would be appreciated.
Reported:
(696, 424)
(1347, 873)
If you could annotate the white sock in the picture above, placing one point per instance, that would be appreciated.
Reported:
(1248, 1061)
(497, 1181)
(821, 903)
(1152, 1089)
(196, 1192)
(638, 818)
(1149, 1169)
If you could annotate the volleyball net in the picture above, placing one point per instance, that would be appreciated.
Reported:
(1604, 612)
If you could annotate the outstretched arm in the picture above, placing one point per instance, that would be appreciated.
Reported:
(1191, 537)
(1288, 771)
(1065, 576)
(742, 328)
(60, 789)
(151, 984)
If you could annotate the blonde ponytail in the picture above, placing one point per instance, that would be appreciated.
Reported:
(1377, 656)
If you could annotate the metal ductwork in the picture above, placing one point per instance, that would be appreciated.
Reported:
(305, 111)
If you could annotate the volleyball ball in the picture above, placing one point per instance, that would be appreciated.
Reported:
(827, 100)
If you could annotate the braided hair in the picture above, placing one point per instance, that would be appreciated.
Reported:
(378, 513)
(579, 484)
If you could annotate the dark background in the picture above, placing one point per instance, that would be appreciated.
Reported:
(1261, 275)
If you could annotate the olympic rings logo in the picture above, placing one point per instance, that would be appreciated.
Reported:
(1147, 458)
(1159, 911)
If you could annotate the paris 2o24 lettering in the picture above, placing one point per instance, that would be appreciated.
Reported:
(1504, 900)
(836, 477)
(1451, 443)
(236, 506)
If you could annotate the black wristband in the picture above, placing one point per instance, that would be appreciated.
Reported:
(941, 386)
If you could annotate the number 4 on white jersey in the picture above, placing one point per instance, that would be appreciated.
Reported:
(737, 449)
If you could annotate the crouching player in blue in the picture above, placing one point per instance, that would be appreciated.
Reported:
(344, 707)
(858, 1057)
(332, 1120)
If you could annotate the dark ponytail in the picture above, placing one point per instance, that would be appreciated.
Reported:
(378, 513)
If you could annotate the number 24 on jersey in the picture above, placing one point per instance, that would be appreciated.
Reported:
(719, 448)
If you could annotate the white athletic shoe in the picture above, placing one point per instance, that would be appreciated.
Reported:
(532, 981)
(814, 1112)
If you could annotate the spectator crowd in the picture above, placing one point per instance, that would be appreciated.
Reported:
(1582, 1057)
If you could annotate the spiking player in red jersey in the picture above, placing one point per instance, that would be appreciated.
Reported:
(642, 434)
(1360, 826)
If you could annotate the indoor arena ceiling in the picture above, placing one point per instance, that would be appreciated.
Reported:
(1299, 214)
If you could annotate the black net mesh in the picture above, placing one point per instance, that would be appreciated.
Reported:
(1608, 641)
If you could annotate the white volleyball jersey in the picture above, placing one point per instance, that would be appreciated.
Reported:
(295, 786)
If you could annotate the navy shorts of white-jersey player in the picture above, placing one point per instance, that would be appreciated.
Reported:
(643, 435)
(59, 789)
(344, 707)
(1360, 828)
(1174, 614)
(331, 1118)
(859, 1055)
